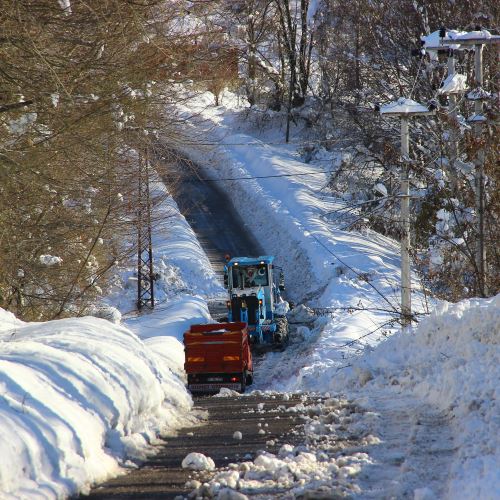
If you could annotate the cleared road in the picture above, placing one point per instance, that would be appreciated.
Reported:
(211, 214)
(163, 477)
(220, 231)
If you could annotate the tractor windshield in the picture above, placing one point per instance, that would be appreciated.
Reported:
(250, 276)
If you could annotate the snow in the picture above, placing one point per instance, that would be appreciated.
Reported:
(80, 398)
(454, 84)
(20, 125)
(404, 106)
(73, 408)
(381, 189)
(432, 393)
(312, 10)
(451, 361)
(65, 5)
(198, 461)
(433, 41)
(477, 118)
(226, 393)
(318, 468)
(330, 268)
(50, 260)
(479, 94)
(474, 35)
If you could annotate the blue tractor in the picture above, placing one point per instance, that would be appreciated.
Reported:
(255, 298)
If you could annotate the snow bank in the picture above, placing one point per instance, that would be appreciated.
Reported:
(181, 265)
(452, 361)
(80, 397)
(77, 397)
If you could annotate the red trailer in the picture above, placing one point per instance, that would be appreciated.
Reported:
(218, 355)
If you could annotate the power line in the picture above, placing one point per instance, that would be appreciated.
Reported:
(262, 176)
(261, 143)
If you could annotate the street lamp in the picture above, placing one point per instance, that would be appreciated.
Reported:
(405, 109)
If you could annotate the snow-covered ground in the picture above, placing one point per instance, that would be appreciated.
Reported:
(73, 409)
(434, 390)
(451, 364)
(72, 406)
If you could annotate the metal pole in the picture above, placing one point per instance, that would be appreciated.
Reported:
(139, 238)
(405, 227)
(289, 111)
(149, 234)
(453, 114)
(479, 176)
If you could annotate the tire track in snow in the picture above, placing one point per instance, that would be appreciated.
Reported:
(415, 452)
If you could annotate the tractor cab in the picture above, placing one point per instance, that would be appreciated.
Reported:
(253, 295)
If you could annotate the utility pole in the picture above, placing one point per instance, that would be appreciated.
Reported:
(405, 109)
(145, 275)
(477, 40)
(405, 225)
(453, 113)
(479, 171)
(453, 85)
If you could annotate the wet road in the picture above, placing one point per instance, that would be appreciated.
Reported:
(211, 214)
(163, 477)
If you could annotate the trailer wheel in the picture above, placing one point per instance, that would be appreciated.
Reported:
(249, 379)
(243, 381)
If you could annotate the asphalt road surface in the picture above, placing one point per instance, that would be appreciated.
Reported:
(163, 477)
(211, 214)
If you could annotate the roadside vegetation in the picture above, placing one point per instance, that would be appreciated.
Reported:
(88, 95)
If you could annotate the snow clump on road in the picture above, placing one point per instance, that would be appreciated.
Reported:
(198, 461)
(296, 472)
(325, 465)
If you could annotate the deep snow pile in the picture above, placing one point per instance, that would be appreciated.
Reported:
(81, 397)
(452, 360)
(73, 404)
